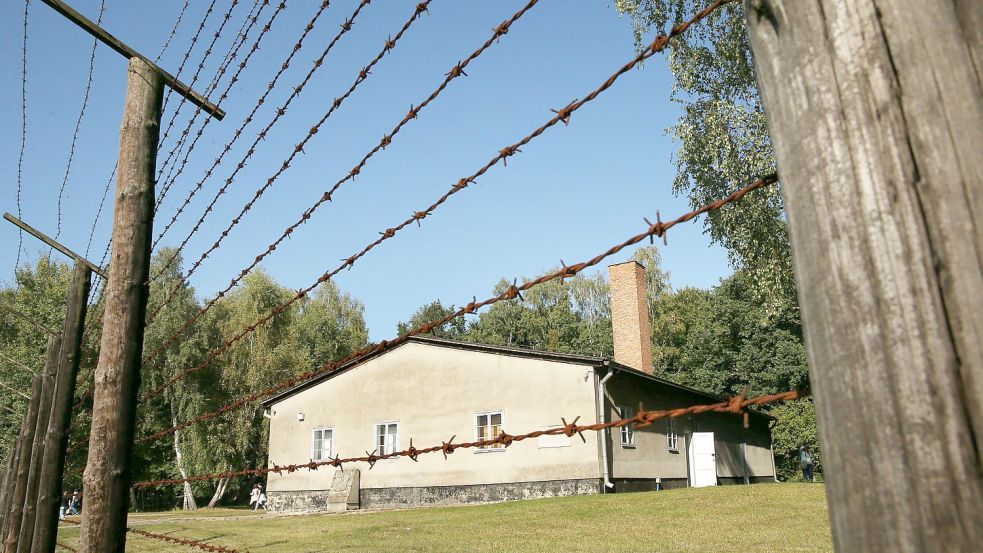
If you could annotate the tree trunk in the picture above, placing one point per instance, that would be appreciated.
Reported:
(9, 481)
(26, 536)
(56, 435)
(219, 493)
(24, 442)
(117, 379)
(188, 503)
(876, 114)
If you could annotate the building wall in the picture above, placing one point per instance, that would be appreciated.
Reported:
(434, 393)
(650, 457)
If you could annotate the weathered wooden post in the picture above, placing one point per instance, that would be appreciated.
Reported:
(12, 522)
(106, 481)
(56, 436)
(876, 113)
(6, 486)
(26, 531)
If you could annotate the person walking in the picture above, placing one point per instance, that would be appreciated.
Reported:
(63, 507)
(806, 462)
(254, 497)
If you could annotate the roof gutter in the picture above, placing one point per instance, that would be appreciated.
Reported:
(602, 418)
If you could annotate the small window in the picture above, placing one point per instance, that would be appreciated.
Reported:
(671, 435)
(386, 438)
(321, 440)
(627, 432)
(488, 426)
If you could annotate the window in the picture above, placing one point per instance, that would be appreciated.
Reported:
(386, 437)
(627, 432)
(671, 435)
(488, 427)
(321, 440)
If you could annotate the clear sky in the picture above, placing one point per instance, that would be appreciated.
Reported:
(571, 194)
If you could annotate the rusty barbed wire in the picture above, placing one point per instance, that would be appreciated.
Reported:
(418, 10)
(736, 405)
(66, 547)
(345, 27)
(194, 544)
(194, 79)
(241, 36)
(562, 115)
(659, 228)
(163, 537)
(458, 70)
(187, 54)
(238, 133)
(169, 181)
(170, 36)
(23, 132)
(78, 123)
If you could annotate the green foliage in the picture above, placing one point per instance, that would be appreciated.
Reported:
(747, 332)
(723, 138)
(40, 292)
(433, 311)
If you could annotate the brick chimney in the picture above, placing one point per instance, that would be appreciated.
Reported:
(630, 316)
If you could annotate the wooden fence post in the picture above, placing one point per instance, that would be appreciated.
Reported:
(876, 114)
(106, 481)
(6, 486)
(12, 522)
(19, 540)
(56, 436)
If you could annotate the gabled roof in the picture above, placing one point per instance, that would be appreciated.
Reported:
(571, 358)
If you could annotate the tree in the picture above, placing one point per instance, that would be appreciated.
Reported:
(723, 138)
(39, 291)
(453, 329)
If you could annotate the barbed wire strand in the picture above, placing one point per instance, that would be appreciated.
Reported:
(78, 125)
(194, 80)
(187, 54)
(195, 544)
(238, 133)
(102, 203)
(179, 147)
(84, 396)
(169, 181)
(170, 36)
(736, 405)
(458, 70)
(241, 35)
(280, 112)
(66, 547)
(658, 228)
(562, 115)
(23, 132)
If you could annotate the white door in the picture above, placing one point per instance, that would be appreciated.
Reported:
(702, 459)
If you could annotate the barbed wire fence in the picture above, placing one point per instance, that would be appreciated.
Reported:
(738, 405)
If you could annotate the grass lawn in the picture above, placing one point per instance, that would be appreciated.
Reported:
(763, 517)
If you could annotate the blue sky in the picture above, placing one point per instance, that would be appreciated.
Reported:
(570, 194)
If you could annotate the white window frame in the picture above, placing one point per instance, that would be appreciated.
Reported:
(324, 455)
(474, 424)
(672, 438)
(627, 432)
(375, 437)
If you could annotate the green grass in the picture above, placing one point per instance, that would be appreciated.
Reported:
(764, 517)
